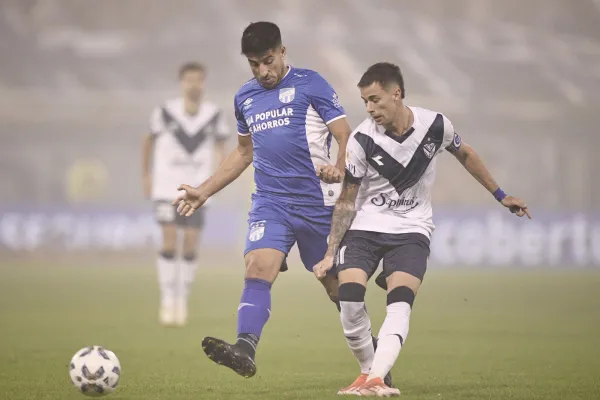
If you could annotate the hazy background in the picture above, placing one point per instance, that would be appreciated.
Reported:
(520, 79)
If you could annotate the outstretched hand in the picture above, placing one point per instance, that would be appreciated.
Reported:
(516, 206)
(189, 201)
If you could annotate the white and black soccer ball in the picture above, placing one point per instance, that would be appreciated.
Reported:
(95, 371)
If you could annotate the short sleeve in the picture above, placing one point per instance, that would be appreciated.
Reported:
(325, 100)
(156, 122)
(356, 160)
(452, 140)
(221, 129)
(242, 126)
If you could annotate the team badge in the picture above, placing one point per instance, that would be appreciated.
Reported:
(286, 95)
(429, 150)
(257, 231)
(456, 142)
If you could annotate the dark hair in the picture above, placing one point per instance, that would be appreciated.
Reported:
(260, 37)
(383, 73)
(191, 66)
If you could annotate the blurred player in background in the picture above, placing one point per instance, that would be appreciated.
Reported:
(187, 138)
(390, 171)
(286, 117)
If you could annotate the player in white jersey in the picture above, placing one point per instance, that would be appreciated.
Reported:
(186, 142)
(384, 212)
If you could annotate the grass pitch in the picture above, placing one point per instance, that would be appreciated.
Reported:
(474, 335)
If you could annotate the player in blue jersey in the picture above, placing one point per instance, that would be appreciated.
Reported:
(286, 118)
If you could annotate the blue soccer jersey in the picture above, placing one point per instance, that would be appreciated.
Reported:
(289, 132)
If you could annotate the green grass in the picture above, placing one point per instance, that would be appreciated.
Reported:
(474, 335)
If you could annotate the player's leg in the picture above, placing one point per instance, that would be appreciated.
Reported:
(254, 310)
(187, 269)
(269, 239)
(357, 259)
(312, 228)
(404, 268)
(166, 263)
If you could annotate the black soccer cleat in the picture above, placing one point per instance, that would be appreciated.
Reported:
(229, 356)
(380, 281)
(284, 266)
(388, 378)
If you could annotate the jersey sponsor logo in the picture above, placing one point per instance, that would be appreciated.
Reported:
(287, 95)
(270, 119)
(429, 150)
(384, 200)
(257, 231)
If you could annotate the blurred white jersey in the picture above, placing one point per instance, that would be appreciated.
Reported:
(183, 146)
(397, 172)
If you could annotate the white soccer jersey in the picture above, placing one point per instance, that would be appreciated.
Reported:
(397, 172)
(183, 146)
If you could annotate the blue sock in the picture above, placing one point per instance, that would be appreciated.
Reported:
(253, 313)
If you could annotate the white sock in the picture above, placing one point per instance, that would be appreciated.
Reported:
(166, 266)
(357, 329)
(392, 336)
(186, 276)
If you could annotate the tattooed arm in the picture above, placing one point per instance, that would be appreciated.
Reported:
(343, 215)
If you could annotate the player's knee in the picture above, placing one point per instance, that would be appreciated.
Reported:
(401, 294)
(352, 303)
(168, 254)
(259, 268)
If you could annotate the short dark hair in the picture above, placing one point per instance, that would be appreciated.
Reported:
(383, 73)
(191, 66)
(260, 37)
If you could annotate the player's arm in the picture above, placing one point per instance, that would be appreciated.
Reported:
(220, 151)
(343, 213)
(473, 163)
(233, 166)
(325, 101)
(147, 148)
(222, 134)
(156, 125)
(340, 129)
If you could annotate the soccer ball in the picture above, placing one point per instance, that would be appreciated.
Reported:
(95, 371)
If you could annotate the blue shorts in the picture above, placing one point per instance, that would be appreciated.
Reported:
(276, 225)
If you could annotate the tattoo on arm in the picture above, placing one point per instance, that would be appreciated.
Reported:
(343, 214)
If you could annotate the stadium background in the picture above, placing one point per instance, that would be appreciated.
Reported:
(519, 79)
(510, 307)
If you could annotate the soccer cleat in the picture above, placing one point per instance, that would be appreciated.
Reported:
(284, 266)
(352, 390)
(376, 388)
(229, 356)
(181, 312)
